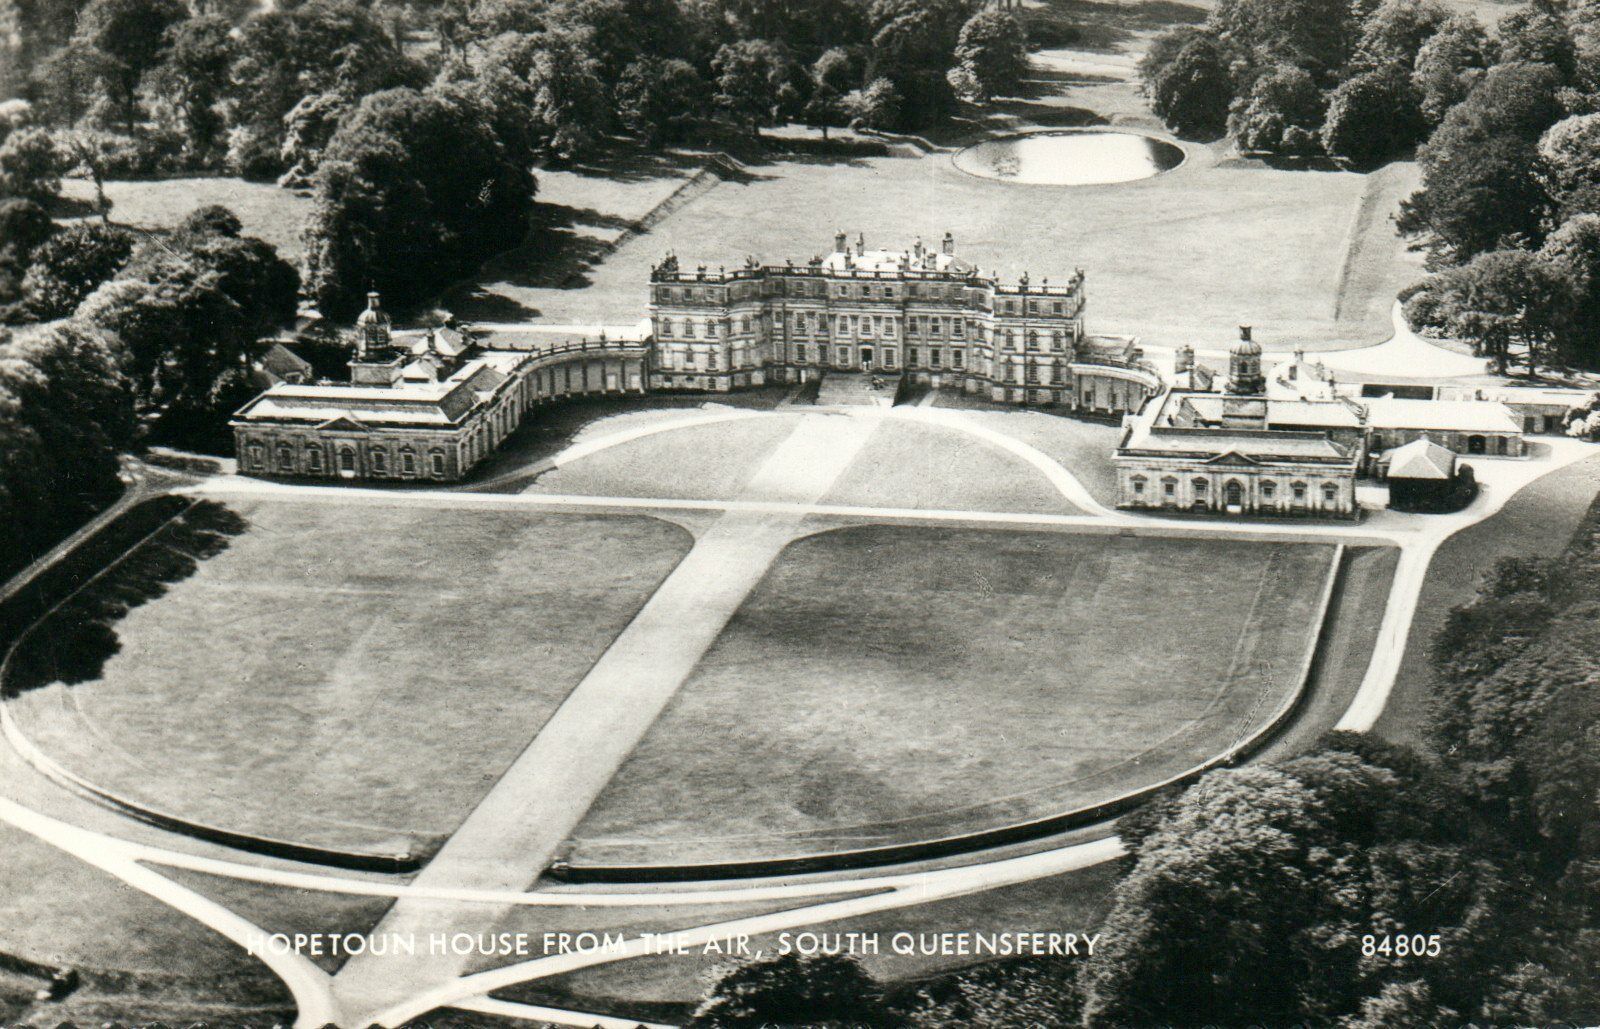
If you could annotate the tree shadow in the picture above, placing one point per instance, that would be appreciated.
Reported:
(73, 643)
(1104, 25)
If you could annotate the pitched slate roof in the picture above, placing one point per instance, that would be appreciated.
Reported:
(1421, 459)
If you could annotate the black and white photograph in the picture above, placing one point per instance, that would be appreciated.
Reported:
(724, 514)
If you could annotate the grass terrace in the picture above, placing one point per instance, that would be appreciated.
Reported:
(886, 684)
(347, 674)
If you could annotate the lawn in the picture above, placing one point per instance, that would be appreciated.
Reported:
(352, 674)
(889, 683)
(157, 205)
(1153, 250)
(904, 464)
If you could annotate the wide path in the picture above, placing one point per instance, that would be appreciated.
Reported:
(514, 833)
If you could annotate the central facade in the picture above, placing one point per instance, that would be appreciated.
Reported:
(923, 313)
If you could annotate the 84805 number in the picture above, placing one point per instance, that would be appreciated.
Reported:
(1401, 945)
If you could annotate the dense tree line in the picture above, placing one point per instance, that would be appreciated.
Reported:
(258, 91)
(1303, 78)
(1277, 894)
(1510, 198)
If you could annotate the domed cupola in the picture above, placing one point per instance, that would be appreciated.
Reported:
(1244, 366)
(372, 327)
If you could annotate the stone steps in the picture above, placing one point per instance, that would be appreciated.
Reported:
(854, 389)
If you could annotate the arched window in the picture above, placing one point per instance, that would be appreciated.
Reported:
(347, 459)
(258, 455)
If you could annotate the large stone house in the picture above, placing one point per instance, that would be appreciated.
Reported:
(922, 313)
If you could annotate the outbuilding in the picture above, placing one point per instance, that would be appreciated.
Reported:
(1424, 476)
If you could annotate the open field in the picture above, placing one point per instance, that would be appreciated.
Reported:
(890, 683)
(354, 675)
(273, 214)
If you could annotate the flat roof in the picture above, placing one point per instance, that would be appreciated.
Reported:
(1440, 415)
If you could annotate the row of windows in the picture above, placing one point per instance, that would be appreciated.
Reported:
(1202, 487)
(345, 458)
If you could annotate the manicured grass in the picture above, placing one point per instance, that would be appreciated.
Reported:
(696, 462)
(1083, 447)
(276, 215)
(353, 674)
(1537, 522)
(909, 464)
(887, 683)
(905, 463)
(1154, 251)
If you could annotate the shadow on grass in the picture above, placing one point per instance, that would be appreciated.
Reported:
(520, 461)
(73, 644)
(1105, 25)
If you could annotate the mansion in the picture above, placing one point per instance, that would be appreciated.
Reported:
(923, 314)
(433, 404)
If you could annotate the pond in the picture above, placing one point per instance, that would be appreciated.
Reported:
(1070, 158)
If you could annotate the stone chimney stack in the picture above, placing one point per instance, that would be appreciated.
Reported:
(839, 242)
(1244, 333)
(1184, 362)
(948, 247)
(917, 248)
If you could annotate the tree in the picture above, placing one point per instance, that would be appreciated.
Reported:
(1372, 117)
(195, 76)
(71, 265)
(1479, 188)
(290, 51)
(30, 166)
(1538, 34)
(1505, 298)
(132, 35)
(188, 313)
(1397, 31)
(1187, 78)
(64, 83)
(749, 75)
(991, 55)
(307, 129)
(569, 98)
(1575, 249)
(1569, 162)
(776, 991)
(1282, 98)
(66, 411)
(877, 106)
(1318, 35)
(659, 99)
(1449, 64)
(413, 190)
(1354, 838)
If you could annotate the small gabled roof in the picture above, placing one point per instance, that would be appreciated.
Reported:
(1422, 458)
